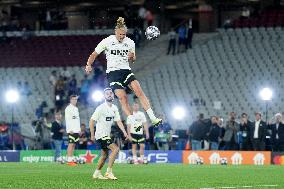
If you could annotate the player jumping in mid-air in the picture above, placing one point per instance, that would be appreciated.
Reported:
(120, 51)
(105, 114)
(136, 133)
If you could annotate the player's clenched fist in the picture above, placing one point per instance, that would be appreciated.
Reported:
(131, 56)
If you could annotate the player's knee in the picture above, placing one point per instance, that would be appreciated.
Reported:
(122, 98)
(115, 150)
(104, 157)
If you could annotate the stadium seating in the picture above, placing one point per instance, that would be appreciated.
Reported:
(49, 51)
(230, 67)
(269, 18)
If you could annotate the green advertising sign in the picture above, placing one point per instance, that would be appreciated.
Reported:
(35, 156)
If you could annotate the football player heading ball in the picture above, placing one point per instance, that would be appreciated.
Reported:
(120, 51)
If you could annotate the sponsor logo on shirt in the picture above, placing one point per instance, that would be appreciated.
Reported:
(109, 118)
(119, 52)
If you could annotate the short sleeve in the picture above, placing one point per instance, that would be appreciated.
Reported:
(117, 115)
(67, 114)
(143, 118)
(96, 115)
(132, 46)
(101, 46)
(68, 118)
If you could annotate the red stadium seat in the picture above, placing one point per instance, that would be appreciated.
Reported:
(48, 51)
(269, 18)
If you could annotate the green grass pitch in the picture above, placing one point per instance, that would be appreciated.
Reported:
(157, 176)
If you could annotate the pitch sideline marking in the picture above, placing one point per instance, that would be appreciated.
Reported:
(268, 185)
(228, 187)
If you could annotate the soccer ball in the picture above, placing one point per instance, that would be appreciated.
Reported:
(61, 160)
(199, 161)
(129, 160)
(152, 33)
(81, 160)
(145, 160)
(75, 159)
(223, 161)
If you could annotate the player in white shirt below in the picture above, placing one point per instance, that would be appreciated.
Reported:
(120, 51)
(104, 116)
(136, 134)
(73, 128)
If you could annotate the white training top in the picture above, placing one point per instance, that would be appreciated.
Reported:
(72, 119)
(140, 120)
(105, 115)
(116, 52)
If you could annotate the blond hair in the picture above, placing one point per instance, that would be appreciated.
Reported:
(120, 24)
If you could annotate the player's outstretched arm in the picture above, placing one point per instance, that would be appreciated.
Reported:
(121, 127)
(92, 129)
(90, 61)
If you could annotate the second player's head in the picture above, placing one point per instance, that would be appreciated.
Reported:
(120, 29)
(109, 96)
(135, 107)
(73, 100)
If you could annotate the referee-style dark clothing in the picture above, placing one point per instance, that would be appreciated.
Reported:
(55, 129)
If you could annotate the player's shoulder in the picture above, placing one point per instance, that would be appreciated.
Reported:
(140, 113)
(128, 40)
(68, 107)
(110, 38)
(114, 107)
(107, 39)
(100, 107)
(72, 108)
